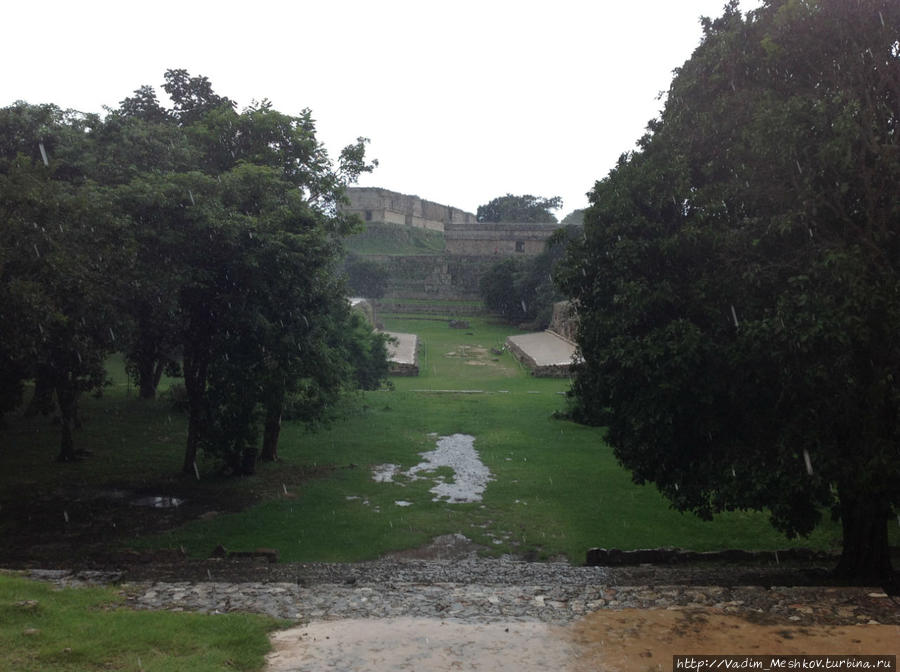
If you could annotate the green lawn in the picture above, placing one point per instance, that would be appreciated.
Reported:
(557, 489)
(43, 629)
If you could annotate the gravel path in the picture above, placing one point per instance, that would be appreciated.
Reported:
(477, 590)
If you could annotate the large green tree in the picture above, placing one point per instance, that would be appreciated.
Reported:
(739, 280)
(526, 208)
(195, 233)
(252, 235)
(61, 246)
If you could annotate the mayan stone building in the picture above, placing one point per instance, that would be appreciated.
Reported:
(464, 234)
(373, 204)
(471, 247)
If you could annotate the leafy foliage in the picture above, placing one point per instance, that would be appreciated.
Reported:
(522, 290)
(200, 236)
(525, 208)
(738, 284)
(58, 263)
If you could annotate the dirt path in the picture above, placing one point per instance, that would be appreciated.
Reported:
(628, 640)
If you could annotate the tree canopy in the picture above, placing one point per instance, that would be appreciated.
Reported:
(527, 208)
(521, 289)
(739, 280)
(196, 238)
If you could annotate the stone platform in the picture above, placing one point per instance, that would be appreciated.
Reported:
(546, 353)
(403, 354)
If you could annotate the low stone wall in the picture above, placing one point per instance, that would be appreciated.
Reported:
(447, 309)
(613, 557)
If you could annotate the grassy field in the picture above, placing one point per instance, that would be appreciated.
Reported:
(556, 490)
(85, 629)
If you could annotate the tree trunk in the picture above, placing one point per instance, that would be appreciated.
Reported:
(248, 460)
(146, 370)
(272, 429)
(65, 395)
(866, 558)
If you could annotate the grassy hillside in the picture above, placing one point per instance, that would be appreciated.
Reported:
(392, 239)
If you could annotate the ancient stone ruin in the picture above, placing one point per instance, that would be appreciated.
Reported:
(471, 248)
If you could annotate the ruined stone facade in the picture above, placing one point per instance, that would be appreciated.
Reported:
(497, 239)
(472, 247)
(373, 204)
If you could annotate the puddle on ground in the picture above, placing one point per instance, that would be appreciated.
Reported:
(158, 502)
(384, 473)
(470, 474)
(628, 640)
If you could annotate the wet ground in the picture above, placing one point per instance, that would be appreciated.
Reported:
(630, 628)
(630, 640)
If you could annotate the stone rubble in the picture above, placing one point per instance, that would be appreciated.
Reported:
(482, 591)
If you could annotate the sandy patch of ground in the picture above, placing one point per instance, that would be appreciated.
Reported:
(646, 639)
(630, 640)
(478, 355)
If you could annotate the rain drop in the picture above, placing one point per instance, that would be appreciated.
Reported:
(734, 315)
(809, 469)
(43, 153)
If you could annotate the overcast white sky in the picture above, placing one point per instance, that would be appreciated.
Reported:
(463, 100)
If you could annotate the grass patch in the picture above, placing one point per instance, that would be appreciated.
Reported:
(43, 629)
(394, 239)
(557, 488)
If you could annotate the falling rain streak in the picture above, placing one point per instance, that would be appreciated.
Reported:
(809, 469)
